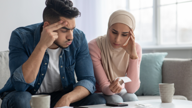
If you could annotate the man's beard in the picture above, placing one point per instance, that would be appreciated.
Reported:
(56, 43)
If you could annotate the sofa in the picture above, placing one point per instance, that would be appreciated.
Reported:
(177, 71)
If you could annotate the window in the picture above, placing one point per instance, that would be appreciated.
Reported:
(162, 22)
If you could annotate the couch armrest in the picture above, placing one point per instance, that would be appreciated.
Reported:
(179, 72)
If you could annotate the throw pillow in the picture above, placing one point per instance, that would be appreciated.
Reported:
(151, 73)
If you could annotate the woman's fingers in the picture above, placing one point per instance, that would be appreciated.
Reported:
(114, 83)
(119, 90)
(132, 34)
(132, 38)
(115, 87)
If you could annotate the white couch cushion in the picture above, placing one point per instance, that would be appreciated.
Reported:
(4, 68)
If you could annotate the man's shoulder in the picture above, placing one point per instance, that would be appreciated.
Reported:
(78, 34)
(30, 29)
(25, 35)
(79, 37)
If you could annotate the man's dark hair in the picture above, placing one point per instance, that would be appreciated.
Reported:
(59, 8)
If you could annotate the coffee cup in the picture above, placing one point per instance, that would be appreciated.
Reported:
(167, 91)
(40, 101)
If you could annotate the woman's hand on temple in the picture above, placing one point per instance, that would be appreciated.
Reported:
(115, 86)
(130, 47)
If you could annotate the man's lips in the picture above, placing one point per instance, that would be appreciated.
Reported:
(69, 43)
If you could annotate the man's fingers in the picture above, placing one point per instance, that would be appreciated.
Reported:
(57, 25)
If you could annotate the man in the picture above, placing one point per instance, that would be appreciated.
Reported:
(43, 58)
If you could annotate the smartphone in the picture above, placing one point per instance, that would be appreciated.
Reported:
(116, 104)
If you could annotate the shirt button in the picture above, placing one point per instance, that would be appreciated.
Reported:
(63, 77)
(60, 56)
(38, 83)
(61, 66)
(34, 90)
(45, 63)
(42, 74)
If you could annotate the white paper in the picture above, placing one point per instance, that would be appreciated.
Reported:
(125, 79)
(64, 107)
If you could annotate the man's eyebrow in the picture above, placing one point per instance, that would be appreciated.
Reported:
(68, 28)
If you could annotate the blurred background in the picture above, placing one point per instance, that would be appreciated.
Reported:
(161, 25)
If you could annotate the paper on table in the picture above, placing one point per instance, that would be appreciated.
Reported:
(64, 107)
(125, 79)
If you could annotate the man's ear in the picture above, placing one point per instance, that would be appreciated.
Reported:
(45, 24)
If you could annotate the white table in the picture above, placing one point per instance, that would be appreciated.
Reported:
(156, 103)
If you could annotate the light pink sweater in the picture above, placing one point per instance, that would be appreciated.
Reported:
(103, 83)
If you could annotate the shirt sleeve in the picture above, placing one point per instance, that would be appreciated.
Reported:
(100, 75)
(17, 56)
(133, 72)
(84, 66)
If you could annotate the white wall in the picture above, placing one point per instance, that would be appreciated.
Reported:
(16, 13)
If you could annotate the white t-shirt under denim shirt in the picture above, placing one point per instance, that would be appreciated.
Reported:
(52, 80)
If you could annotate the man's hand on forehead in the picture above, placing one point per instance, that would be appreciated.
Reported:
(49, 34)
(57, 25)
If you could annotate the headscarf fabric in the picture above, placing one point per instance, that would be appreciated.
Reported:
(115, 61)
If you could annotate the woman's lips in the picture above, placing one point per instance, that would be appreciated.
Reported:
(116, 44)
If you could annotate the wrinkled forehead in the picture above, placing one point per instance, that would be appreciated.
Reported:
(70, 22)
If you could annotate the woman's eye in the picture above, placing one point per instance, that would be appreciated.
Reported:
(124, 35)
(114, 32)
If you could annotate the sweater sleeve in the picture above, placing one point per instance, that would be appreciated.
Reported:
(133, 72)
(99, 72)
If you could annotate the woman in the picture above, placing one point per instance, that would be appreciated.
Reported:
(117, 55)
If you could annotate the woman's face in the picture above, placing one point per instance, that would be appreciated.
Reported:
(118, 34)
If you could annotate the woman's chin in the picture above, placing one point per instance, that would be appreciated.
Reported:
(116, 46)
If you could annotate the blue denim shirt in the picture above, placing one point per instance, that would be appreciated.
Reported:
(74, 58)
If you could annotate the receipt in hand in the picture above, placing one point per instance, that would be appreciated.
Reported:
(124, 79)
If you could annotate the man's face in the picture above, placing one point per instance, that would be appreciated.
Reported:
(65, 34)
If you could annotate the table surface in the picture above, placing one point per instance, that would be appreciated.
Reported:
(156, 103)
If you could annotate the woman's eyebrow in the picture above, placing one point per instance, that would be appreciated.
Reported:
(125, 32)
(115, 30)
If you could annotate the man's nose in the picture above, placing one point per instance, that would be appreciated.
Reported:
(70, 35)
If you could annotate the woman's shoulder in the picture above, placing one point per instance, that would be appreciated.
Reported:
(93, 47)
(138, 47)
(93, 44)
